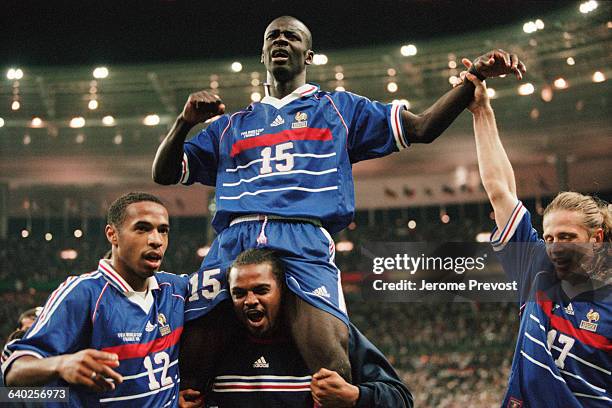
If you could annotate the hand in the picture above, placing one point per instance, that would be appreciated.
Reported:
(91, 368)
(481, 98)
(499, 62)
(328, 389)
(201, 106)
(190, 399)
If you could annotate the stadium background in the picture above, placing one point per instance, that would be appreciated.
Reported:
(64, 158)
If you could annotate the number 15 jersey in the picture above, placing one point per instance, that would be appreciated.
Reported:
(292, 157)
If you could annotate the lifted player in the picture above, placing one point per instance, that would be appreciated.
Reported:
(563, 355)
(282, 171)
(111, 335)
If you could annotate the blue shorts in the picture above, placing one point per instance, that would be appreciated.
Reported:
(306, 250)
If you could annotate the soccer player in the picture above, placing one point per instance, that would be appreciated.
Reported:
(262, 366)
(563, 355)
(282, 171)
(111, 335)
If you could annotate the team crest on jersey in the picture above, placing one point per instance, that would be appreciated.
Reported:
(514, 403)
(300, 120)
(592, 317)
(164, 327)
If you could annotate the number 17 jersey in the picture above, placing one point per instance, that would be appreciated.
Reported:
(292, 157)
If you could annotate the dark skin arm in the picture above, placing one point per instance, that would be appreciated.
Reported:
(427, 126)
(200, 107)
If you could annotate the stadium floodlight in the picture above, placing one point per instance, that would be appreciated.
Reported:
(588, 6)
(100, 72)
(483, 236)
(36, 122)
(526, 89)
(151, 120)
(598, 76)
(391, 72)
(78, 233)
(236, 66)
(25, 233)
(14, 73)
(118, 139)
(339, 76)
(77, 122)
(15, 105)
(392, 87)
(570, 61)
(412, 224)
(560, 83)
(1, 122)
(255, 97)
(27, 139)
(48, 236)
(408, 50)
(69, 254)
(344, 246)
(539, 24)
(108, 120)
(80, 138)
(546, 94)
(93, 104)
(319, 59)
(491, 93)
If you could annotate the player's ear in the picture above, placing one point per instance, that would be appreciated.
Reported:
(309, 57)
(111, 234)
(261, 59)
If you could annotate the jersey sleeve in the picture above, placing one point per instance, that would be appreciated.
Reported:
(374, 129)
(379, 384)
(63, 326)
(520, 250)
(201, 154)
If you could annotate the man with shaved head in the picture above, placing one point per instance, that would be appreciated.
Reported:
(282, 169)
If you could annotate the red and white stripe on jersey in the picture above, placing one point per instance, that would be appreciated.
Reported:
(261, 383)
(184, 169)
(113, 276)
(500, 238)
(397, 127)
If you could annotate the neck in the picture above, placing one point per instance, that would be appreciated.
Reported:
(136, 282)
(280, 89)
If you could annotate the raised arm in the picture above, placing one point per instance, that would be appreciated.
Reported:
(427, 126)
(199, 107)
(495, 168)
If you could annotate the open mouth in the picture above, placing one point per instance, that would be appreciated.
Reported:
(254, 315)
(279, 55)
(153, 258)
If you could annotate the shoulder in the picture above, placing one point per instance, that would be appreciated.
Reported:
(177, 282)
(79, 287)
(344, 97)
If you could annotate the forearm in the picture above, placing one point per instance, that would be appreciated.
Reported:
(495, 168)
(384, 395)
(168, 159)
(31, 371)
(427, 126)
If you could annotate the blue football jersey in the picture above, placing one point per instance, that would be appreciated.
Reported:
(563, 353)
(100, 310)
(292, 157)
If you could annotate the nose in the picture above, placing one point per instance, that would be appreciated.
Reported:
(251, 299)
(280, 40)
(156, 239)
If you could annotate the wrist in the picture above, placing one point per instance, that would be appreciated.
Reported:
(354, 397)
(182, 123)
(482, 110)
(474, 71)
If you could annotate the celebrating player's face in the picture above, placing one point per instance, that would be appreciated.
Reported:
(142, 239)
(256, 296)
(569, 244)
(286, 50)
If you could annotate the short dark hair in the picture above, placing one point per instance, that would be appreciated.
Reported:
(257, 256)
(116, 211)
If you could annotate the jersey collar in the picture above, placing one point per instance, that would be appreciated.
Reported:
(113, 277)
(305, 90)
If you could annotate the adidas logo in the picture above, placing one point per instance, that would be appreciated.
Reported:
(150, 327)
(322, 291)
(261, 363)
(278, 121)
(569, 309)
